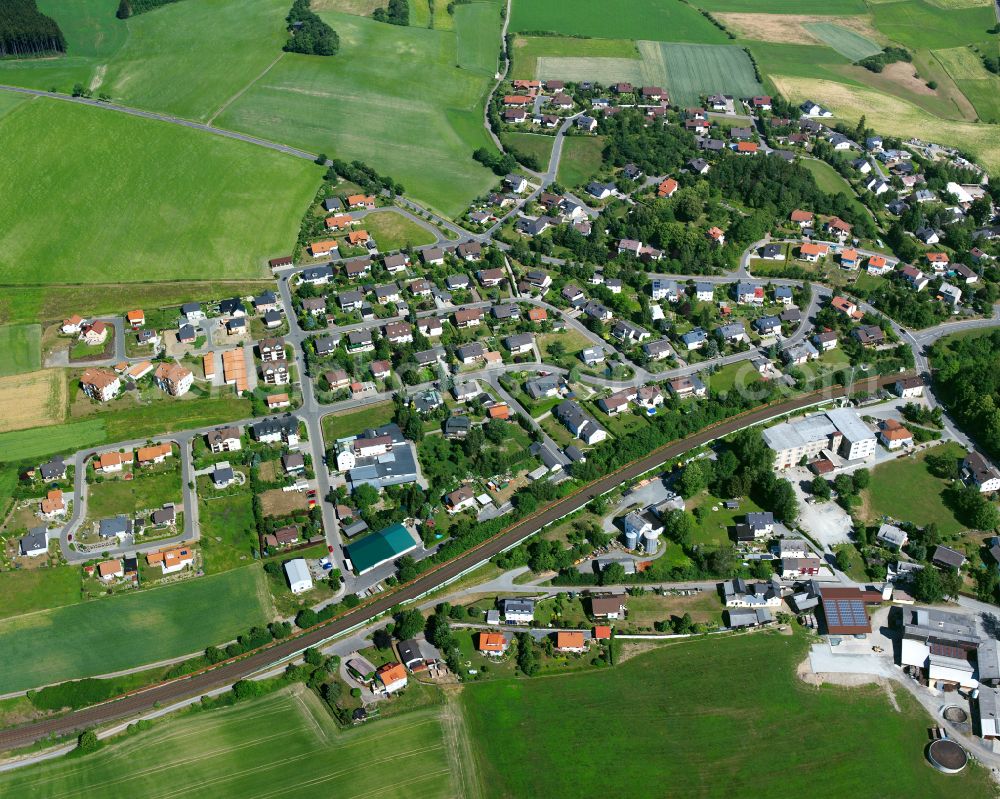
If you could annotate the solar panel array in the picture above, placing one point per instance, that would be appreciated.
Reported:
(845, 613)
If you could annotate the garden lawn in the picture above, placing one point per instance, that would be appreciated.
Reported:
(741, 374)
(393, 231)
(905, 490)
(284, 744)
(128, 630)
(713, 529)
(581, 159)
(616, 19)
(349, 424)
(683, 727)
(393, 97)
(28, 590)
(20, 349)
(143, 492)
(645, 610)
(198, 206)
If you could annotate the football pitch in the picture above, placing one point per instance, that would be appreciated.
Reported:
(130, 630)
(283, 745)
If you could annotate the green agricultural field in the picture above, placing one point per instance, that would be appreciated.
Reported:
(392, 97)
(188, 59)
(393, 231)
(528, 49)
(9, 101)
(128, 630)
(616, 19)
(285, 744)
(477, 26)
(40, 442)
(694, 70)
(581, 159)
(530, 144)
(28, 590)
(978, 84)
(920, 25)
(679, 729)
(351, 423)
(601, 69)
(199, 206)
(169, 415)
(841, 7)
(20, 349)
(906, 490)
(797, 60)
(849, 44)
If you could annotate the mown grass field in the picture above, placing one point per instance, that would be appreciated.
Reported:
(530, 144)
(477, 26)
(670, 723)
(20, 348)
(393, 231)
(198, 206)
(28, 590)
(905, 490)
(128, 496)
(39, 442)
(920, 25)
(340, 425)
(581, 159)
(616, 19)
(392, 97)
(841, 7)
(528, 49)
(228, 530)
(897, 117)
(849, 44)
(129, 630)
(285, 744)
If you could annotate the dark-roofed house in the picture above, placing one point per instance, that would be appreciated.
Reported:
(611, 606)
(948, 558)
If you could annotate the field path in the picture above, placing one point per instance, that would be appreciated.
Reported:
(240, 93)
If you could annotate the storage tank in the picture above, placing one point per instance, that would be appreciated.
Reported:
(649, 541)
(631, 539)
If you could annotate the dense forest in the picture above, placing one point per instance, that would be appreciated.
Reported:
(310, 34)
(26, 32)
(967, 379)
(129, 8)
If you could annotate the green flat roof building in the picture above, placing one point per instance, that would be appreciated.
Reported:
(382, 547)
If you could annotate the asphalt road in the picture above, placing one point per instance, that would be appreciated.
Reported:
(239, 669)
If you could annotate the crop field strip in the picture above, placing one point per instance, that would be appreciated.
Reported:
(849, 44)
(32, 399)
(288, 736)
(129, 630)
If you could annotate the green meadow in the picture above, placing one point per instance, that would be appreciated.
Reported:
(20, 349)
(129, 630)
(392, 97)
(616, 19)
(672, 723)
(196, 205)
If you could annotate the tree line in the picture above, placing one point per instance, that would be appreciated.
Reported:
(129, 8)
(26, 32)
(310, 34)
